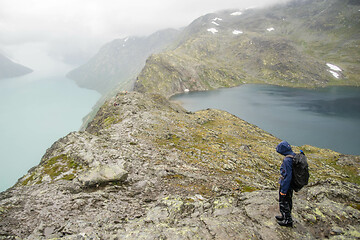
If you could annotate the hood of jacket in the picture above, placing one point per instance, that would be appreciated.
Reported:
(284, 148)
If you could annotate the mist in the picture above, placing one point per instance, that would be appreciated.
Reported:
(43, 33)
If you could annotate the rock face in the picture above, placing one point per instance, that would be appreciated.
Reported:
(145, 168)
(102, 175)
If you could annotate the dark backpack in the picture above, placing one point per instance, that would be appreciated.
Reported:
(300, 171)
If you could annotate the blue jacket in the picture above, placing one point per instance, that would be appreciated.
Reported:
(284, 148)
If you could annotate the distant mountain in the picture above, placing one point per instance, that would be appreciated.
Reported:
(300, 44)
(118, 62)
(146, 168)
(9, 69)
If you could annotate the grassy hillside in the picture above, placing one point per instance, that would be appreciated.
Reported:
(287, 45)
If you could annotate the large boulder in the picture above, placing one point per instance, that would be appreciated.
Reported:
(103, 174)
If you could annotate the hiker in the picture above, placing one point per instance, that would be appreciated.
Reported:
(285, 191)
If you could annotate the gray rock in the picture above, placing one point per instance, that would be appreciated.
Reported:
(103, 174)
(96, 185)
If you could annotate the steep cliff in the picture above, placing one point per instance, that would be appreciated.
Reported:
(145, 168)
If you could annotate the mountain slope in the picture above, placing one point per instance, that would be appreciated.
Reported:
(145, 168)
(9, 69)
(118, 62)
(293, 44)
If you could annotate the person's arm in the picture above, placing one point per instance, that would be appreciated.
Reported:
(287, 177)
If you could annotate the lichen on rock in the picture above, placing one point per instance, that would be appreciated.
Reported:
(161, 172)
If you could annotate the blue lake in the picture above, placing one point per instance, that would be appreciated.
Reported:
(327, 117)
(35, 112)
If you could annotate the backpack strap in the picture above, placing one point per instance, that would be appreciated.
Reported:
(290, 156)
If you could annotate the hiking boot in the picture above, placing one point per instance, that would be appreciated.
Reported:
(279, 218)
(286, 223)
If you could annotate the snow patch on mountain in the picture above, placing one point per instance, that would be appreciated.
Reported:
(237, 32)
(333, 67)
(334, 70)
(213, 30)
(125, 40)
(236, 13)
(214, 21)
(335, 74)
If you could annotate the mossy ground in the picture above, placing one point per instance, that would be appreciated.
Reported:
(207, 171)
(221, 144)
(56, 168)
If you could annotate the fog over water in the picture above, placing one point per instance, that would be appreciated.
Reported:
(73, 31)
(36, 110)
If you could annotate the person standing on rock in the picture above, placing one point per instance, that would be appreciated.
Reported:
(285, 191)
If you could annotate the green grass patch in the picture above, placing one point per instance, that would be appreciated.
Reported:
(175, 176)
(28, 179)
(245, 188)
(55, 166)
(350, 171)
(110, 121)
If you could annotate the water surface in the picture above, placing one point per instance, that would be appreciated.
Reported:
(36, 111)
(326, 117)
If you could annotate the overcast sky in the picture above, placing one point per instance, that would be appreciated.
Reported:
(73, 30)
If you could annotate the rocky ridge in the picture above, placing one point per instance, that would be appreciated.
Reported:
(145, 168)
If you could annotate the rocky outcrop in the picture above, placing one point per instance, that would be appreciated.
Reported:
(145, 168)
(103, 174)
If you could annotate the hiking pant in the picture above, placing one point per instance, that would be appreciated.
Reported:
(285, 204)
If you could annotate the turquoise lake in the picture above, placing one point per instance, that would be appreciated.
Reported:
(35, 112)
(325, 117)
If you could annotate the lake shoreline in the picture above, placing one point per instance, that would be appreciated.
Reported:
(270, 84)
(178, 98)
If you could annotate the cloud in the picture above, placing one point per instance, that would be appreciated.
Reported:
(80, 27)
